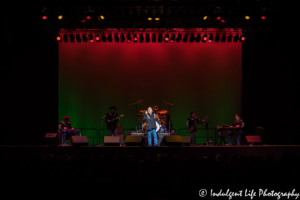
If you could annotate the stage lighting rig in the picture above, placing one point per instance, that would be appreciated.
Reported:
(72, 37)
(167, 37)
(78, 37)
(172, 38)
(128, 37)
(153, 37)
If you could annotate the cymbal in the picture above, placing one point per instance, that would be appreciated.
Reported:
(163, 111)
(142, 111)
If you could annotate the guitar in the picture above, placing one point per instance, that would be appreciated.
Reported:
(112, 120)
(194, 126)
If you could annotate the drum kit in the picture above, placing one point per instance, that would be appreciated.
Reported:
(162, 116)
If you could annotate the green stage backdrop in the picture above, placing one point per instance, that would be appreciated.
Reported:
(205, 78)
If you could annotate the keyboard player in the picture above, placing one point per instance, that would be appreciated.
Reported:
(238, 122)
(65, 124)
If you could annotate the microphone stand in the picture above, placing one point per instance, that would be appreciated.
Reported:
(169, 114)
(136, 103)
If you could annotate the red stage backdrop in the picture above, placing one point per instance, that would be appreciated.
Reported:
(201, 77)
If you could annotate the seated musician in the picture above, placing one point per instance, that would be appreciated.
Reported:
(65, 124)
(238, 122)
(192, 123)
(112, 119)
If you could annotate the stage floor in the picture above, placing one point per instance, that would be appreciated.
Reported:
(264, 151)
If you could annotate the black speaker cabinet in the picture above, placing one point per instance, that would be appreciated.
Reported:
(134, 140)
(52, 139)
(186, 140)
(172, 140)
(111, 141)
(79, 141)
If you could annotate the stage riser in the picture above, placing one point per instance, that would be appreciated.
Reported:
(257, 151)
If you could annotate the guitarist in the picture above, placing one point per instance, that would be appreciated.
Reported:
(111, 120)
(192, 123)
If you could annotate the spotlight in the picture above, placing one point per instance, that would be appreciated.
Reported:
(83, 20)
(236, 38)
(185, 38)
(109, 38)
(44, 17)
(172, 38)
(78, 38)
(72, 38)
(223, 21)
(178, 37)
(218, 18)
(60, 17)
(65, 38)
(229, 38)
(217, 37)
(88, 17)
(263, 17)
(205, 17)
(149, 18)
(141, 38)
(122, 38)
(153, 37)
(58, 38)
(101, 17)
(156, 18)
(247, 17)
(84, 38)
(97, 37)
(135, 39)
(223, 38)
(160, 38)
(166, 37)
(147, 37)
(243, 38)
(103, 38)
(91, 38)
(128, 37)
(211, 38)
(117, 39)
(204, 38)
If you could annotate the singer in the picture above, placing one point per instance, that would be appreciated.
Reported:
(151, 120)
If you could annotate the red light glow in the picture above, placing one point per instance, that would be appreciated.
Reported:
(82, 21)
(44, 17)
(166, 39)
(58, 38)
(243, 38)
(88, 17)
(223, 21)
(128, 41)
(204, 38)
(263, 17)
(218, 18)
(97, 38)
(135, 39)
(91, 40)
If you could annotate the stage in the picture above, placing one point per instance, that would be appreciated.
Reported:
(263, 151)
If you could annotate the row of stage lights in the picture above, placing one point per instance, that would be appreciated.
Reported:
(150, 37)
(101, 17)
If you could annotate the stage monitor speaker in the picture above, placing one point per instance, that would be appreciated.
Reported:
(186, 140)
(79, 141)
(111, 141)
(172, 140)
(134, 140)
(52, 139)
(253, 138)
